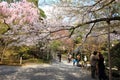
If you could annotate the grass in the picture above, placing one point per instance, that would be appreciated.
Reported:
(24, 62)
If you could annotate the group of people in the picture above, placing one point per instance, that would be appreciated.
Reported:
(70, 57)
(74, 58)
(97, 66)
(96, 61)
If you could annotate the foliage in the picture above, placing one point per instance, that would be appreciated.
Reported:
(34, 1)
(115, 55)
(3, 28)
(55, 45)
(23, 48)
(78, 40)
(42, 13)
(34, 60)
(14, 52)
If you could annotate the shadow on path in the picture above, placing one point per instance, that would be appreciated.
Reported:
(54, 71)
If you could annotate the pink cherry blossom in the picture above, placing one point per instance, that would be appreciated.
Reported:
(19, 12)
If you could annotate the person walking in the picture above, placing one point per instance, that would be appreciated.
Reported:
(93, 62)
(101, 67)
(78, 60)
(59, 56)
(69, 57)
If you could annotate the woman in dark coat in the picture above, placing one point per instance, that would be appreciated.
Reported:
(101, 67)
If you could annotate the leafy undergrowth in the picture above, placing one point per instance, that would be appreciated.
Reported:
(10, 64)
(115, 74)
(24, 62)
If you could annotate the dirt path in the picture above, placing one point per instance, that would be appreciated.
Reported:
(54, 71)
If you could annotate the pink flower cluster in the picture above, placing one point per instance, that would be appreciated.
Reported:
(19, 12)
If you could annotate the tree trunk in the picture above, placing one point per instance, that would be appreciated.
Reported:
(109, 55)
(2, 55)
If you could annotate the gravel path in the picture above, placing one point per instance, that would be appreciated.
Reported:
(54, 71)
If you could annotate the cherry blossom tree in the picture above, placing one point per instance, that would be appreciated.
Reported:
(20, 18)
(19, 12)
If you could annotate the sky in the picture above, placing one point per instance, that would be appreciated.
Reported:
(47, 2)
(46, 5)
(50, 2)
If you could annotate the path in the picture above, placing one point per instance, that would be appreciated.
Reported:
(55, 71)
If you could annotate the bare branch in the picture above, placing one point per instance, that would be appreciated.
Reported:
(6, 24)
(72, 32)
(89, 31)
(104, 6)
(99, 20)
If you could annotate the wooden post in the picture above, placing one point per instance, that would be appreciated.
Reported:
(20, 60)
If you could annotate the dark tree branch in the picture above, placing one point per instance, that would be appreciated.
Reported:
(6, 24)
(104, 6)
(85, 6)
(89, 31)
(95, 21)
(72, 32)
(99, 20)
(74, 27)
